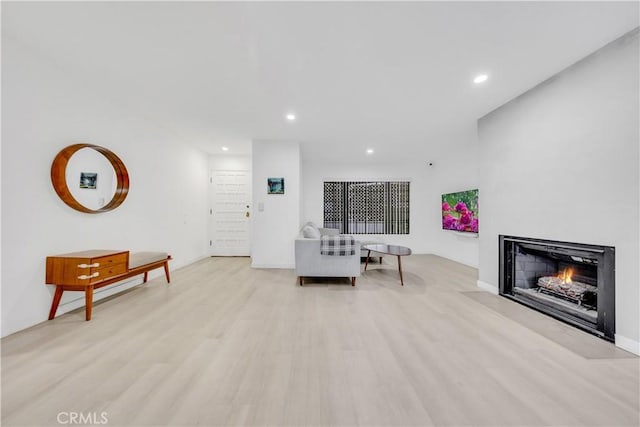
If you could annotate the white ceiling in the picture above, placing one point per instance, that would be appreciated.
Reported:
(392, 76)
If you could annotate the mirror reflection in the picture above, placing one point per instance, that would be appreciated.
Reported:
(91, 178)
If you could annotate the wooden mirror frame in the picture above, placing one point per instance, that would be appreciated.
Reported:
(59, 178)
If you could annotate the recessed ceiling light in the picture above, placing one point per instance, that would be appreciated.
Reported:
(225, 148)
(369, 150)
(291, 117)
(480, 78)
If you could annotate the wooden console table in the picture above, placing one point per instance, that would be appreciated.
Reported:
(93, 269)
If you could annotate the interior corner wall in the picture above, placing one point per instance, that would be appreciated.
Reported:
(457, 170)
(560, 162)
(454, 171)
(44, 109)
(276, 217)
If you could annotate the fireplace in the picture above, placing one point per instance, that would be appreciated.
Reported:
(572, 282)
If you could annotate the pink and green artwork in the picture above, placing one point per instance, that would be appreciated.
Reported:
(460, 211)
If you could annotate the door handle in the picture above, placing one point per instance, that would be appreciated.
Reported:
(247, 214)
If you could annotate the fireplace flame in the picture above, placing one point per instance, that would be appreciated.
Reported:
(565, 275)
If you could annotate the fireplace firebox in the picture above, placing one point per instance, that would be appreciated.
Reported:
(572, 282)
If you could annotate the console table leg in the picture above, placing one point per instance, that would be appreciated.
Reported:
(56, 301)
(88, 298)
(400, 270)
(146, 276)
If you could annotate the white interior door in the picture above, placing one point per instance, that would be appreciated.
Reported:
(230, 214)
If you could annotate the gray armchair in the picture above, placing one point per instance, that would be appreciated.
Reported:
(310, 263)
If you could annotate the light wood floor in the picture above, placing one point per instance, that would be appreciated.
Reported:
(225, 344)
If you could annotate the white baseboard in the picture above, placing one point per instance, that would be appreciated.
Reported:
(77, 300)
(487, 287)
(628, 344)
(286, 266)
(175, 266)
(449, 257)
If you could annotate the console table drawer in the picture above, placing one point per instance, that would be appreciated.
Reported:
(106, 272)
(93, 264)
(87, 267)
(121, 258)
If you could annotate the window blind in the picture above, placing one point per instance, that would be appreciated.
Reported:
(367, 207)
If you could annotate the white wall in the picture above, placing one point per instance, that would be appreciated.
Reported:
(452, 171)
(274, 229)
(560, 162)
(46, 108)
(230, 162)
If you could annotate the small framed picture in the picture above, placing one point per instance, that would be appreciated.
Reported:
(275, 185)
(88, 180)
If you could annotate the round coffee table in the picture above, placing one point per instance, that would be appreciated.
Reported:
(396, 250)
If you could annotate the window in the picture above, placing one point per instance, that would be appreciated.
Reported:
(367, 207)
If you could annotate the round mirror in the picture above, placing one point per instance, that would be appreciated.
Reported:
(90, 178)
